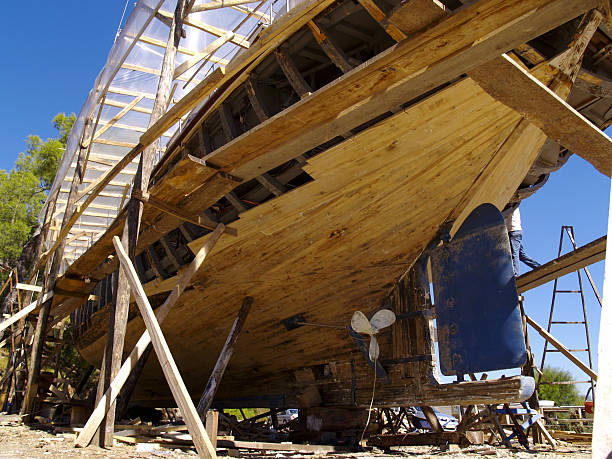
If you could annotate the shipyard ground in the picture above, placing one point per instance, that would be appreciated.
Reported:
(19, 441)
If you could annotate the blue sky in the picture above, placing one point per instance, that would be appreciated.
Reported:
(51, 61)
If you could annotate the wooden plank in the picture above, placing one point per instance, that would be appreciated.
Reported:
(206, 54)
(512, 85)
(171, 372)
(332, 50)
(560, 347)
(31, 288)
(112, 392)
(418, 16)
(223, 360)
(573, 261)
(98, 132)
(212, 426)
(237, 39)
(24, 312)
(298, 83)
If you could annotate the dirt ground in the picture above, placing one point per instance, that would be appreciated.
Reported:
(23, 442)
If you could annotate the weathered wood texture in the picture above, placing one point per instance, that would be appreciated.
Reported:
(224, 358)
(505, 80)
(139, 350)
(577, 259)
(171, 372)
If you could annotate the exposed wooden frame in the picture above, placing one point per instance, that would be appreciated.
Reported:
(524, 93)
(153, 71)
(98, 132)
(380, 17)
(162, 312)
(334, 52)
(200, 220)
(213, 5)
(297, 81)
(206, 53)
(237, 39)
(271, 184)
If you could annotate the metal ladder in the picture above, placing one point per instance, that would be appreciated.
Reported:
(569, 231)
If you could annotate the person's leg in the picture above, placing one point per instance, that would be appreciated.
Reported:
(527, 260)
(515, 246)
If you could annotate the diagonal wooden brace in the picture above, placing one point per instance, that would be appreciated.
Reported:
(112, 392)
(179, 391)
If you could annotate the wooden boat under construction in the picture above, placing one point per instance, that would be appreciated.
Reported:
(334, 150)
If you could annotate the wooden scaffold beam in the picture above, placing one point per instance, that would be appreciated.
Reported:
(120, 308)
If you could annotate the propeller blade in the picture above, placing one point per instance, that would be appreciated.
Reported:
(360, 323)
(382, 319)
(374, 349)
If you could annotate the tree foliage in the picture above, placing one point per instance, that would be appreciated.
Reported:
(24, 188)
(562, 394)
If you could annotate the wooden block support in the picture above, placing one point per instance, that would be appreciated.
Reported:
(112, 392)
(171, 372)
(212, 426)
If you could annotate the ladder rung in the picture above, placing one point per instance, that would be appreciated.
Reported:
(568, 291)
(567, 322)
(571, 350)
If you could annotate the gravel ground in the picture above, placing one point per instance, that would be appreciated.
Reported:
(23, 442)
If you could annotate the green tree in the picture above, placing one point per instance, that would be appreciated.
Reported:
(562, 394)
(23, 189)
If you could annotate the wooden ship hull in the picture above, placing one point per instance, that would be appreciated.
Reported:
(334, 150)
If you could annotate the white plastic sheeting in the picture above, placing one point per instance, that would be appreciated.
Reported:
(130, 77)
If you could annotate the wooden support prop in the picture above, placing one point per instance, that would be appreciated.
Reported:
(212, 426)
(560, 347)
(171, 372)
(508, 82)
(50, 277)
(112, 392)
(200, 220)
(433, 420)
(224, 358)
(297, 81)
